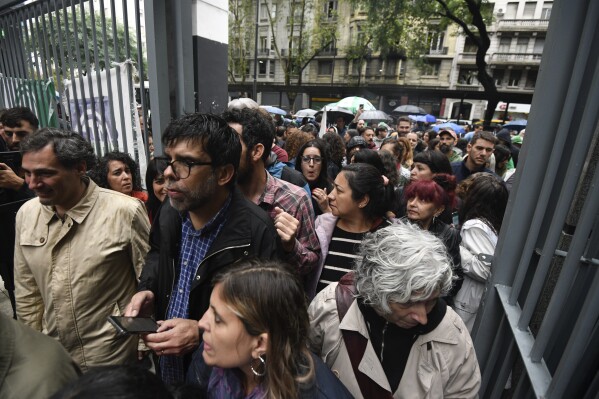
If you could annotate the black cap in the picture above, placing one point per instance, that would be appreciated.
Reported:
(356, 141)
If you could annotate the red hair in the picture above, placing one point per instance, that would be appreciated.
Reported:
(439, 191)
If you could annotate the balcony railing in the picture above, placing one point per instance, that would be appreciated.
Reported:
(328, 52)
(264, 52)
(467, 58)
(516, 57)
(438, 51)
(523, 23)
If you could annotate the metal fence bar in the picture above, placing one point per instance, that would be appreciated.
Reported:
(68, 61)
(107, 63)
(142, 89)
(568, 189)
(98, 76)
(570, 267)
(117, 55)
(8, 62)
(59, 62)
(504, 372)
(131, 102)
(75, 49)
(540, 376)
(17, 29)
(94, 125)
(45, 50)
(27, 32)
(577, 342)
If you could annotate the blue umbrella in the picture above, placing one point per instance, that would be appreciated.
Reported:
(456, 128)
(518, 124)
(273, 110)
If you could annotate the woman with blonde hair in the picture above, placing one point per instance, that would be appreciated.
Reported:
(255, 338)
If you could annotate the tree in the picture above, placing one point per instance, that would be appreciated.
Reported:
(402, 26)
(309, 31)
(240, 38)
(299, 30)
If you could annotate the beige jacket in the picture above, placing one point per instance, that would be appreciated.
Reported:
(70, 276)
(441, 364)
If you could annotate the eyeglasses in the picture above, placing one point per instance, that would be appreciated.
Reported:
(182, 169)
(316, 160)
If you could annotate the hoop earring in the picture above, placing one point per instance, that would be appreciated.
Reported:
(256, 373)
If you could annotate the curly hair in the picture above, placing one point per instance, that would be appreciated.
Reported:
(100, 173)
(399, 264)
(295, 140)
(336, 148)
(279, 309)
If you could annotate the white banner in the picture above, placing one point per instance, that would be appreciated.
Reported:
(110, 128)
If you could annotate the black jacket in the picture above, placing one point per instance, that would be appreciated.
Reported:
(248, 232)
(452, 239)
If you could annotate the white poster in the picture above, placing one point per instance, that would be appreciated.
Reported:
(88, 108)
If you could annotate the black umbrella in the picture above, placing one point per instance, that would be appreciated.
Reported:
(409, 109)
(335, 112)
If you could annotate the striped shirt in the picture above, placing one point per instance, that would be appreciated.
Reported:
(340, 259)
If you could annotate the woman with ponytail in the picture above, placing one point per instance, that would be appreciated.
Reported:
(360, 199)
(426, 200)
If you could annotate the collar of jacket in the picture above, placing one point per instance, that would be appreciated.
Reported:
(80, 211)
(446, 331)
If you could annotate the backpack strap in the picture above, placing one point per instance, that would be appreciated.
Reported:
(355, 343)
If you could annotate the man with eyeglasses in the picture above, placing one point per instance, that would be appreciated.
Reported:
(206, 225)
(289, 206)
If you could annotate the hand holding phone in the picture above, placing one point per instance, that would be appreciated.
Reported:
(133, 325)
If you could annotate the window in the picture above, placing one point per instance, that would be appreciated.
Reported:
(531, 79)
(522, 44)
(529, 10)
(402, 69)
(271, 70)
(511, 11)
(539, 45)
(431, 68)
(470, 46)
(467, 76)
(504, 44)
(436, 40)
(262, 68)
(263, 46)
(391, 68)
(546, 10)
(373, 67)
(515, 76)
(356, 67)
(263, 12)
(325, 67)
(498, 75)
(330, 9)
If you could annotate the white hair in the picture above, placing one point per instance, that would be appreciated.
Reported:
(400, 264)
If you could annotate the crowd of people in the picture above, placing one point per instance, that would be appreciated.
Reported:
(277, 261)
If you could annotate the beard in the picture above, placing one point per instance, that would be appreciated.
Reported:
(445, 148)
(246, 170)
(196, 198)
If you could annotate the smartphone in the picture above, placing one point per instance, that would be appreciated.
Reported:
(133, 325)
(361, 106)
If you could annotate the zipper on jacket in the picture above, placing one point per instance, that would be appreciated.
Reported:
(219, 251)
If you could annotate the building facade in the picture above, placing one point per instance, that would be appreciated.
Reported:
(443, 81)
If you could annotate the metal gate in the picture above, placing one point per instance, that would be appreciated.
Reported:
(79, 63)
(539, 319)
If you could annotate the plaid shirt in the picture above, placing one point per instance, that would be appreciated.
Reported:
(195, 244)
(294, 201)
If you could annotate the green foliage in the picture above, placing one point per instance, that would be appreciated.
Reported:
(241, 23)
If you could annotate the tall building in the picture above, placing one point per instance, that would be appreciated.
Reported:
(444, 77)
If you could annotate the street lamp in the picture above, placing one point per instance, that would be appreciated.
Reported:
(255, 85)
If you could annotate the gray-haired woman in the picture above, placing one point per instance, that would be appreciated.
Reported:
(384, 328)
